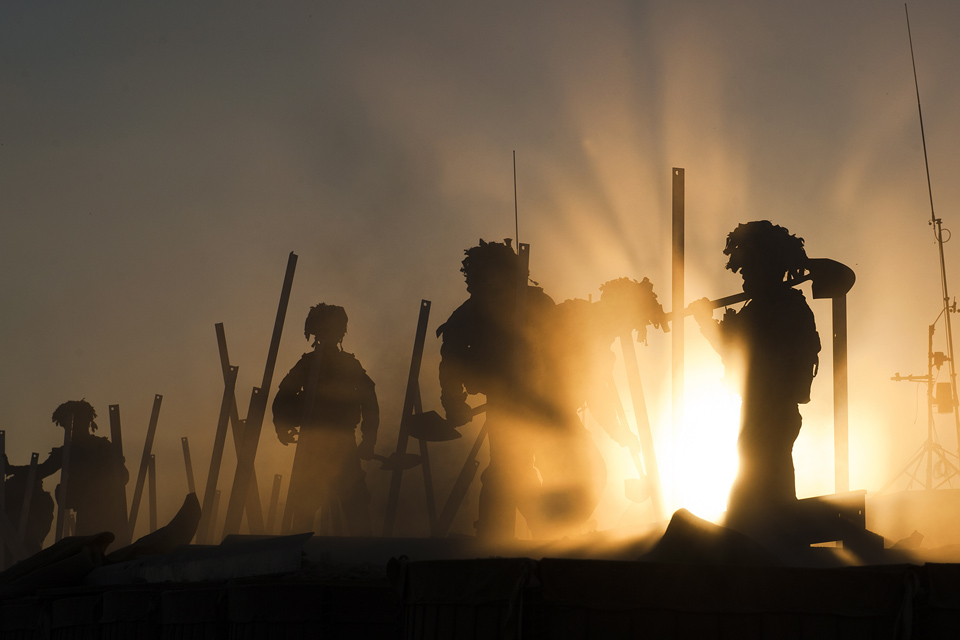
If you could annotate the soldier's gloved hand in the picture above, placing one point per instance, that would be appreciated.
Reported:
(288, 435)
(702, 310)
(365, 449)
(458, 413)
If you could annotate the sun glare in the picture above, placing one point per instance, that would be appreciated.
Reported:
(705, 462)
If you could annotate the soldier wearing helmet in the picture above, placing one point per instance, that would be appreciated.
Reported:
(97, 476)
(772, 346)
(541, 457)
(327, 469)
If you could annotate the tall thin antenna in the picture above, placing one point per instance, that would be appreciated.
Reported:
(516, 216)
(938, 229)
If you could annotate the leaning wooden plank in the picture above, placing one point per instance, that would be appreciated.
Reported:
(144, 462)
(258, 406)
(253, 508)
(28, 496)
(213, 473)
(64, 481)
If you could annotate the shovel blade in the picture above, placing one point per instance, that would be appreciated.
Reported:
(831, 279)
(430, 427)
(401, 462)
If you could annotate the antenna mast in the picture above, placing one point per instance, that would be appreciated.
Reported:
(516, 215)
(936, 223)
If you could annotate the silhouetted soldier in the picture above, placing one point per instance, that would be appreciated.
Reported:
(586, 330)
(327, 465)
(773, 346)
(489, 348)
(96, 478)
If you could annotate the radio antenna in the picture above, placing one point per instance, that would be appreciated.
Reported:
(516, 215)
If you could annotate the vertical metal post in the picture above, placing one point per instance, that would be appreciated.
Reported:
(191, 485)
(413, 389)
(214, 514)
(216, 456)
(678, 301)
(274, 500)
(144, 462)
(28, 496)
(258, 406)
(253, 509)
(116, 436)
(64, 481)
(841, 444)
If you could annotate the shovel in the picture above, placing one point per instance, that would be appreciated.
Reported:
(397, 461)
(430, 427)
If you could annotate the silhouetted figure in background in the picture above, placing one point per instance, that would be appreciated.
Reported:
(97, 476)
(587, 331)
(327, 467)
(491, 348)
(772, 345)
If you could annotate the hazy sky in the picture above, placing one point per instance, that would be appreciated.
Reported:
(159, 161)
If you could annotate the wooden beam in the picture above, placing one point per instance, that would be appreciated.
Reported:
(152, 491)
(188, 464)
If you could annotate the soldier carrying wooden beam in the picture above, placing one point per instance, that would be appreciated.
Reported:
(773, 347)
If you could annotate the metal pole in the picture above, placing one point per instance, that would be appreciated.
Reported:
(144, 462)
(216, 457)
(678, 302)
(253, 509)
(258, 406)
(191, 485)
(152, 491)
(841, 441)
(413, 386)
(28, 496)
(274, 500)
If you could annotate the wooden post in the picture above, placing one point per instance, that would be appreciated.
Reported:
(413, 391)
(274, 500)
(64, 481)
(253, 508)
(152, 491)
(207, 517)
(191, 485)
(144, 462)
(258, 405)
(677, 300)
(28, 496)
